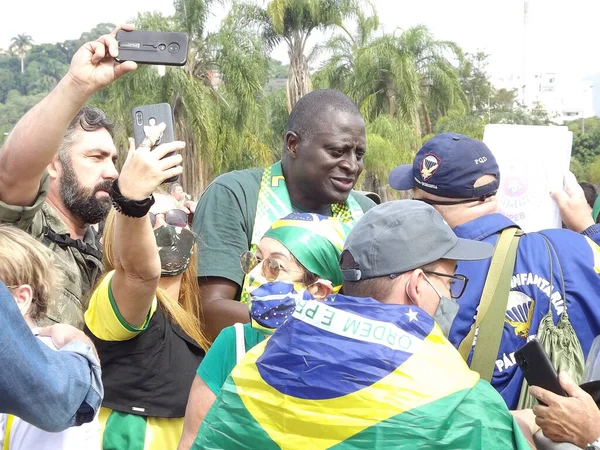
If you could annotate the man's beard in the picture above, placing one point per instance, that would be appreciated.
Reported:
(80, 201)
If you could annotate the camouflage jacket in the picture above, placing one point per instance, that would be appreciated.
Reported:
(79, 261)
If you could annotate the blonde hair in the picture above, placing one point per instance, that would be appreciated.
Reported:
(24, 260)
(186, 311)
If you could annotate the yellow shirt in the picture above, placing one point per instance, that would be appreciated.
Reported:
(120, 429)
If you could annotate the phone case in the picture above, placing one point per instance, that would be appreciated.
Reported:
(537, 367)
(153, 47)
(153, 114)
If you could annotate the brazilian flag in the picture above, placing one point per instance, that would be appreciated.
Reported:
(353, 373)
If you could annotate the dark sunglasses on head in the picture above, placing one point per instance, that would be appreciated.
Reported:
(175, 217)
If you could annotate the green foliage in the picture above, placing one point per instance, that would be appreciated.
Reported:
(218, 104)
(293, 21)
(277, 69)
(585, 157)
(14, 107)
(231, 100)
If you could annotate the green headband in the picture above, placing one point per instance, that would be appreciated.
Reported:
(315, 241)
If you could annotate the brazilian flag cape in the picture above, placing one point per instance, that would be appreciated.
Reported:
(354, 373)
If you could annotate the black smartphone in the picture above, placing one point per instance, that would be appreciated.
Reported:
(537, 367)
(150, 115)
(153, 47)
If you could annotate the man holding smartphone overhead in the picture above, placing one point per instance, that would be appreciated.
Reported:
(56, 170)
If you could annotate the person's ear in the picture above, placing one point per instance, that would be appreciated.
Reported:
(54, 168)
(291, 144)
(23, 295)
(321, 289)
(415, 288)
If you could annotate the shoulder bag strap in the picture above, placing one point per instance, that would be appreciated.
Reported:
(492, 307)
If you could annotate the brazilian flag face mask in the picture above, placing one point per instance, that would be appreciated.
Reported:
(272, 302)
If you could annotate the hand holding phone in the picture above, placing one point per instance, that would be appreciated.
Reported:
(147, 167)
(151, 115)
(153, 47)
(537, 367)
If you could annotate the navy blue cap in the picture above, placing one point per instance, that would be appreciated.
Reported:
(448, 165)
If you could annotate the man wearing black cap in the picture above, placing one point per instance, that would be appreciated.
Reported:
(555, 271)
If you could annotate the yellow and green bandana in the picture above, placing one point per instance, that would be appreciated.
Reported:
(315, 241)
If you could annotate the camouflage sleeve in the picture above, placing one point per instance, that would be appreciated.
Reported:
(23, 216)
(104, 319)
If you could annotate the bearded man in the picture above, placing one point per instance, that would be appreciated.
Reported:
(56, 170)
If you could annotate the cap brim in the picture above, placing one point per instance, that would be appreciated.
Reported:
(469, 250)
(401, 178)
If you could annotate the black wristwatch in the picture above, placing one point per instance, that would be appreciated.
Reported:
(127, 207)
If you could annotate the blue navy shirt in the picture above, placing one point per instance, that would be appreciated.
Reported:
(533, 290)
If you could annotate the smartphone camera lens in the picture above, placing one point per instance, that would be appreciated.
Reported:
(173, 47)
(139, 119)
(162, 47)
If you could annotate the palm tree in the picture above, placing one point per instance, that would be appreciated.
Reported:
(439, 83)
(404, 76)
(217, 100)
(293, 22)
(19, 47)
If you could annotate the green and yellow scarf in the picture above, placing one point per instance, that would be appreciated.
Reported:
(274, 203)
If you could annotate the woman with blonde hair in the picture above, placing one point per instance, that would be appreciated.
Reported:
(144, 316)
(27, 268)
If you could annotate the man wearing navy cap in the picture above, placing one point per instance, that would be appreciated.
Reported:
(459, 176)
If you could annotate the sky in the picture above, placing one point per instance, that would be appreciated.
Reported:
(562, 35)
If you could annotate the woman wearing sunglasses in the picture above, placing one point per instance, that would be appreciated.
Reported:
(144, 315)
(298, 253)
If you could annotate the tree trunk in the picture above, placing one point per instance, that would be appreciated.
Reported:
(426, 118)
(372, 184)
(298, 83)
(22, 64)
(390, 92)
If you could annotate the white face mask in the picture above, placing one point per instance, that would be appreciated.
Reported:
(446, 311)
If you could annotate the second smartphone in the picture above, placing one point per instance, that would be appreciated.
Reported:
(150, 115)
(537, 367)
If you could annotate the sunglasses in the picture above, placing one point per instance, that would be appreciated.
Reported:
(271, 268)
(175, 217)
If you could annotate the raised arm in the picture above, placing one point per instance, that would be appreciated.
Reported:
(36, 138)
(135, 255)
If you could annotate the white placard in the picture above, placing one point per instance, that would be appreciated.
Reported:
(533, 161)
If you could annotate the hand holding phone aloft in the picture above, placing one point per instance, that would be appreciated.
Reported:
(153, 47)
(95, 66)
(146, 167)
